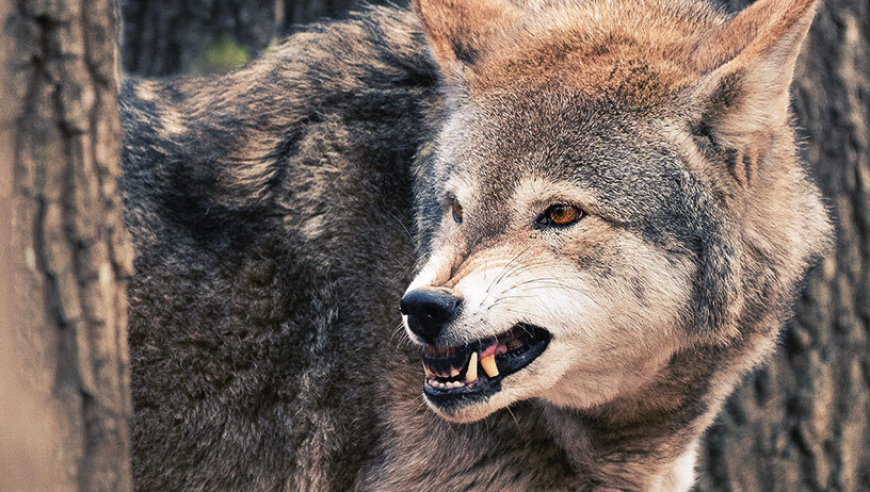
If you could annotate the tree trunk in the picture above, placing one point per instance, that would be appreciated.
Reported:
(168, 37)
(64, 254)
(801, 422)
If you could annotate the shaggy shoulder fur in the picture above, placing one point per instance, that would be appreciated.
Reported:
(270, 212)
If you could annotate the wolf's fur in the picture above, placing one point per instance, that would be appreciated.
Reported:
(278, 213)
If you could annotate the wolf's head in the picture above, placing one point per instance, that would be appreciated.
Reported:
(614, 182)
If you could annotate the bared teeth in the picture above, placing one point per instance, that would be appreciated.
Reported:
(489, 367)
(454, 372)
(471, 373)
(427, 371)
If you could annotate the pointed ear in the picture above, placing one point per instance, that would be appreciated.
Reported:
(750, 63)
(458, 30)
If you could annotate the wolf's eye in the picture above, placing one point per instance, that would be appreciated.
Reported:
(457, 210)
(560, 215)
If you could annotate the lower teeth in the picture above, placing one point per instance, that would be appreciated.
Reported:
(446, 385)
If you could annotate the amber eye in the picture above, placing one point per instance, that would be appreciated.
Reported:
(560, 215)
(457, 210)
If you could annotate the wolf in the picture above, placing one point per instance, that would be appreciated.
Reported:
(472, 245)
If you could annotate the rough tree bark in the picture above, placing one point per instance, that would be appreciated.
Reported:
(803, 421)
(64, 254)
(165, 37)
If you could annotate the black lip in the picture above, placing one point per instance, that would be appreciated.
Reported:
(508, 364)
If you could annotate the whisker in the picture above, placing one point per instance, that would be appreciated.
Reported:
(514, 417)
(396, 331)
(507, 269)
(516, 296)
(421, 405)
(401, 224)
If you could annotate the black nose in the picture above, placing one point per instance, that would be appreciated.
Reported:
(429, 311)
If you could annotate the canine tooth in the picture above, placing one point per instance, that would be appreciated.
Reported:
(489, 367)
(427, 371)
(471, 373)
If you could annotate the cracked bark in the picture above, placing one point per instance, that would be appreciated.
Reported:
(65, 253)
(801, 423)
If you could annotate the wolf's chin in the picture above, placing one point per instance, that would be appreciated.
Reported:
(523, 385)
(468, 412)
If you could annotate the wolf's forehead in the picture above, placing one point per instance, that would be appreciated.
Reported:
(536, 132)
(627, 48)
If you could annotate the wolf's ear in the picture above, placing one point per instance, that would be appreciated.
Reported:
(459, 29)
(750, 63)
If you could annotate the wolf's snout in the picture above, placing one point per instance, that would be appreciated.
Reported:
(429, 311)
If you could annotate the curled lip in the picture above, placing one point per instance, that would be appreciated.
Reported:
(476, 370)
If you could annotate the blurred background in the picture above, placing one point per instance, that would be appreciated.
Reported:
(170, 37)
